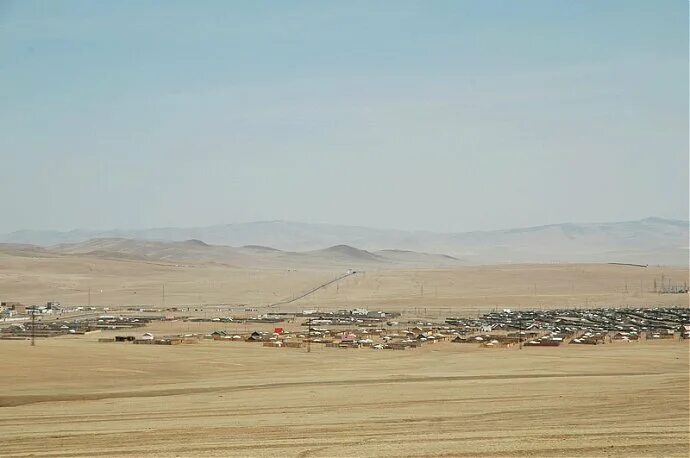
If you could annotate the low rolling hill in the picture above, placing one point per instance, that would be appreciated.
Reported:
(252, 256)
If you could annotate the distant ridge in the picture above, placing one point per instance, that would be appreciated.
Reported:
(647, 241)
(248, 256)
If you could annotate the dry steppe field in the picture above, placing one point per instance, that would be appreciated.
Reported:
(68, 279)
(73, 396)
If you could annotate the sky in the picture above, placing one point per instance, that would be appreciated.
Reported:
(436, 115)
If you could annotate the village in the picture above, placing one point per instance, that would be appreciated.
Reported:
(344, 329)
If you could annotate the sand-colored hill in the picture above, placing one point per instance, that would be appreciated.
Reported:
(250, 256)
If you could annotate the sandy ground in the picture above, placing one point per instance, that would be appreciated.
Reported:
(432, 292)
(73, 396)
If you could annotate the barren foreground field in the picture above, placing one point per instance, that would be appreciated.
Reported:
(73, 396)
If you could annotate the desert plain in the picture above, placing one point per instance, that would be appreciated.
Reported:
(73, 396)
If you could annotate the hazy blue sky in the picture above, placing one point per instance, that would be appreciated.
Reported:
(439, 115)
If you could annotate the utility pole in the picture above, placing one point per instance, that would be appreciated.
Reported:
(89, 296)
(309, 335)
(33, 327)
(163, 297)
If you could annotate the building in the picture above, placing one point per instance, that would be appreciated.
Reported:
(685, 331)
(17, 307)
(52, 305)
(38, 309)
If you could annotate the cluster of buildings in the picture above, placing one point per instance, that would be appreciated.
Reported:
(582, 326)
(359, 327)
(150, 339)
(56, 327)
(378, 339)
(17, 310)
(27, 329)
(14, 309)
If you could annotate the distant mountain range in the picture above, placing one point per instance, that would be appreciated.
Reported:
(646, 241)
